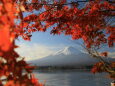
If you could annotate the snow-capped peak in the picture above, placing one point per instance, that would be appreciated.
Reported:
(68, 50)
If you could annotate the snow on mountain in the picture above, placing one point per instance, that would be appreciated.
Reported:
(67, 51)
(68, 56)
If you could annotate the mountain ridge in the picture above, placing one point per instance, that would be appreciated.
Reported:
(68, 56)
(67, 51)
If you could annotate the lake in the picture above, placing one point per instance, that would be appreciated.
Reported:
(72, 78)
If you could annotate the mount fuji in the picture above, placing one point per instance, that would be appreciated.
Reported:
(69, 56)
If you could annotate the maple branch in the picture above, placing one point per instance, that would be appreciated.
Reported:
(97, 55)
(94, 53)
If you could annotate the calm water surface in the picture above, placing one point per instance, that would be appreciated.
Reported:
(72, 78)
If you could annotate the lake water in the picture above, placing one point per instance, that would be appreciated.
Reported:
(72, 78)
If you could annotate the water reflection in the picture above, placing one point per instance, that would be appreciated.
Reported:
(73, 78)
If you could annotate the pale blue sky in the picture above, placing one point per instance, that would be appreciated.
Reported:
(43, 44)
(49, 39)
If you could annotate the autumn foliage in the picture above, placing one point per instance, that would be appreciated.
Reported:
(101, 67)
(88, 23)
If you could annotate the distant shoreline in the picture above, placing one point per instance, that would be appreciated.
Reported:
(63, 68)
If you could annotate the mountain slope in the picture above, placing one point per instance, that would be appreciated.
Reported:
(69, 56)
(68, 51)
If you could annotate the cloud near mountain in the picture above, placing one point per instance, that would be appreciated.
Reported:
(34, 51)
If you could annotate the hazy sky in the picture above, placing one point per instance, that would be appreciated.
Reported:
(43, 44)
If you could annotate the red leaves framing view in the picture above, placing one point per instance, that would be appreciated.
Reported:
(90, 22)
